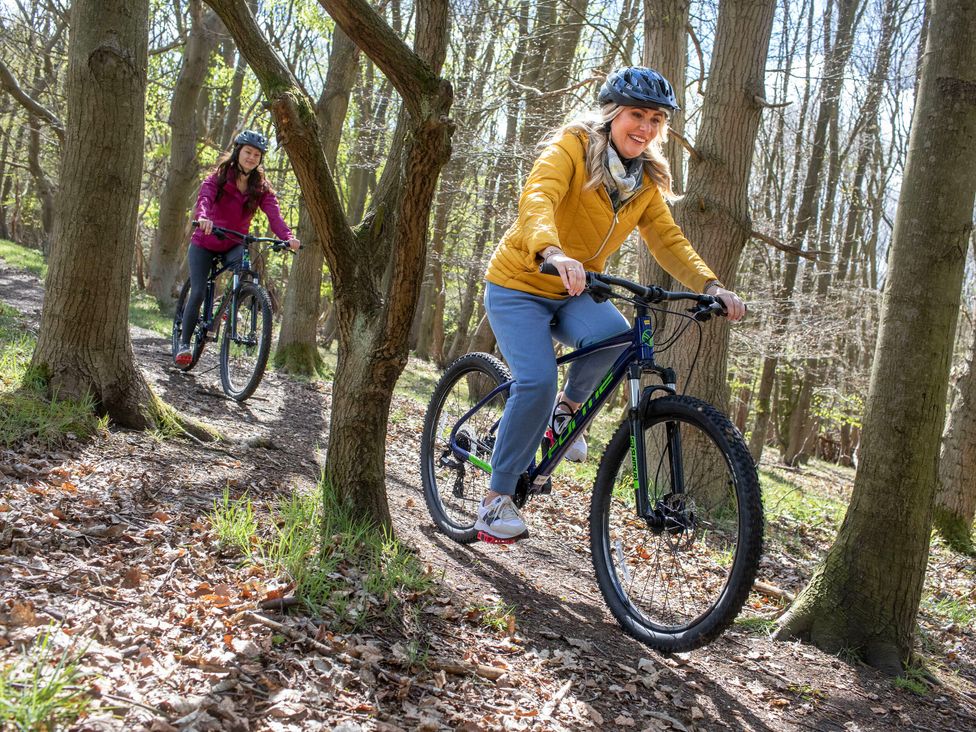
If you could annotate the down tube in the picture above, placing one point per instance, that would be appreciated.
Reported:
(588, 410)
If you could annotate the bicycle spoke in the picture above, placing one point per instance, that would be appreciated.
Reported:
(454, 487)
(675, 570)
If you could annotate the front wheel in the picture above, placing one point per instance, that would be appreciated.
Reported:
(453, 488)
(246, 342)
(676, 579)
(197, 340)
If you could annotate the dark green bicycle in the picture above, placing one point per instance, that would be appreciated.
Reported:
(676, 519)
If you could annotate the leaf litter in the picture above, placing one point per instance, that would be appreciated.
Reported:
(107, 546)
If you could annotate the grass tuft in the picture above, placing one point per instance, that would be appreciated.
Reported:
(341, 566)
(234, 522)
(497, 616)
(40, 690)
(26, 411)
(756, 625)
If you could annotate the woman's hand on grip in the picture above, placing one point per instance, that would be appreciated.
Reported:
(571, 272)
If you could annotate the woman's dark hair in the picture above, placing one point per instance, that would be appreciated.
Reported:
(257, 183)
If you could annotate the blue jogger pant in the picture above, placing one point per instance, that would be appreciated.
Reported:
(524, 326)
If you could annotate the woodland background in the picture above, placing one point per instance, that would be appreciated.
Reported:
(792, 146)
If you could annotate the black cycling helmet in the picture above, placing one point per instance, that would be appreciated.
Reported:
(254, 139)
(638, 86)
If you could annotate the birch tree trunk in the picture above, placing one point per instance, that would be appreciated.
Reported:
(865, 594)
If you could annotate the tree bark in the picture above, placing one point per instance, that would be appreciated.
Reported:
(46, 189)
(865, 594)
(714, 214)
(955, 497)
(83, 346)
(666, 49)
(184, 171)
(376, 268)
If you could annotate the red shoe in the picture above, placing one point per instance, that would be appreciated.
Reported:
(184, 357)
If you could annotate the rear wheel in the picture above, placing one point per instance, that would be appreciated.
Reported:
(676, 580)
(246, 341)
(196, 341)
(453, 488)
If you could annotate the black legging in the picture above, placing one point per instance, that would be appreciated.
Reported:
(199, 261)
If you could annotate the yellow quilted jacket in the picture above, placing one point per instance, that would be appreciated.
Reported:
(554, 210)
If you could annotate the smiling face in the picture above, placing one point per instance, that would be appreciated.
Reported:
(634, 129)
(249, 158)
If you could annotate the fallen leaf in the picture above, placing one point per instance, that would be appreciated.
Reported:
(132, 578)
(22, 613)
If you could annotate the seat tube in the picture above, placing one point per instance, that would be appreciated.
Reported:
(638, 452)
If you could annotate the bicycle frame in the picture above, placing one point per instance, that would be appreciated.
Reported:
(212, 324)
(636, 359)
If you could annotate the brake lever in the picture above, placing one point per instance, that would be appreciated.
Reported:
(703, 313)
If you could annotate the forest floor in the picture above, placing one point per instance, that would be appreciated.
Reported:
(110, 558)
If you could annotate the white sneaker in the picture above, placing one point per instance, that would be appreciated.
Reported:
(561, 414)
(500, 520)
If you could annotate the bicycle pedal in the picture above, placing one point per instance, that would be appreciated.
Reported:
(489, 539)
(541, 490)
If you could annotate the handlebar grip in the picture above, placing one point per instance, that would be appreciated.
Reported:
(548, 269)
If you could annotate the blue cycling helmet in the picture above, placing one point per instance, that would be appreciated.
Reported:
(638, 86)
(254, 139)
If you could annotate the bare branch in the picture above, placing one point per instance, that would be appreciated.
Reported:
(761, 102)
(557, 92)
(9, 82)
(684, 143)
(701, 59)
(412, 77)
(777, 244)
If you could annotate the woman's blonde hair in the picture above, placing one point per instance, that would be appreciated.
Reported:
(596, 126)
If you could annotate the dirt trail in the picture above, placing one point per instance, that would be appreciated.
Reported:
(109, 538)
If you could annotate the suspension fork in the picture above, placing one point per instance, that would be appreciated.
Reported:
(638, 451)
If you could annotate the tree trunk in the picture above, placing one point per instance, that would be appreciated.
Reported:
(375, 295)
(83, 346)
(5, 182)
(297, 351)
(714, 214)
(46, 190)
(955, 498)
(865, 595)
(666, 49)
(184, 171)
(763, 399)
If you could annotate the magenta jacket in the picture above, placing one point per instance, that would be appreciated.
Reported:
(229, 212)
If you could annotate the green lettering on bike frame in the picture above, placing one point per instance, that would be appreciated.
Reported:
(583, 410)
(633, 460)
(479, 463)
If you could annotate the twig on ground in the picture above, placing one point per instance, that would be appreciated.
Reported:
(552, 705)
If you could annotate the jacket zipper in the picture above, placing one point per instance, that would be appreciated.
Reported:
(615, 220)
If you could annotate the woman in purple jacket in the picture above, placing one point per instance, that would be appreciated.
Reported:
(228, 198)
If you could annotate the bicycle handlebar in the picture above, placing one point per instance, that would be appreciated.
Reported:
(598, 285)
(278, 245)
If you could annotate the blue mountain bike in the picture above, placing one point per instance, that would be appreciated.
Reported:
(675, 518)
